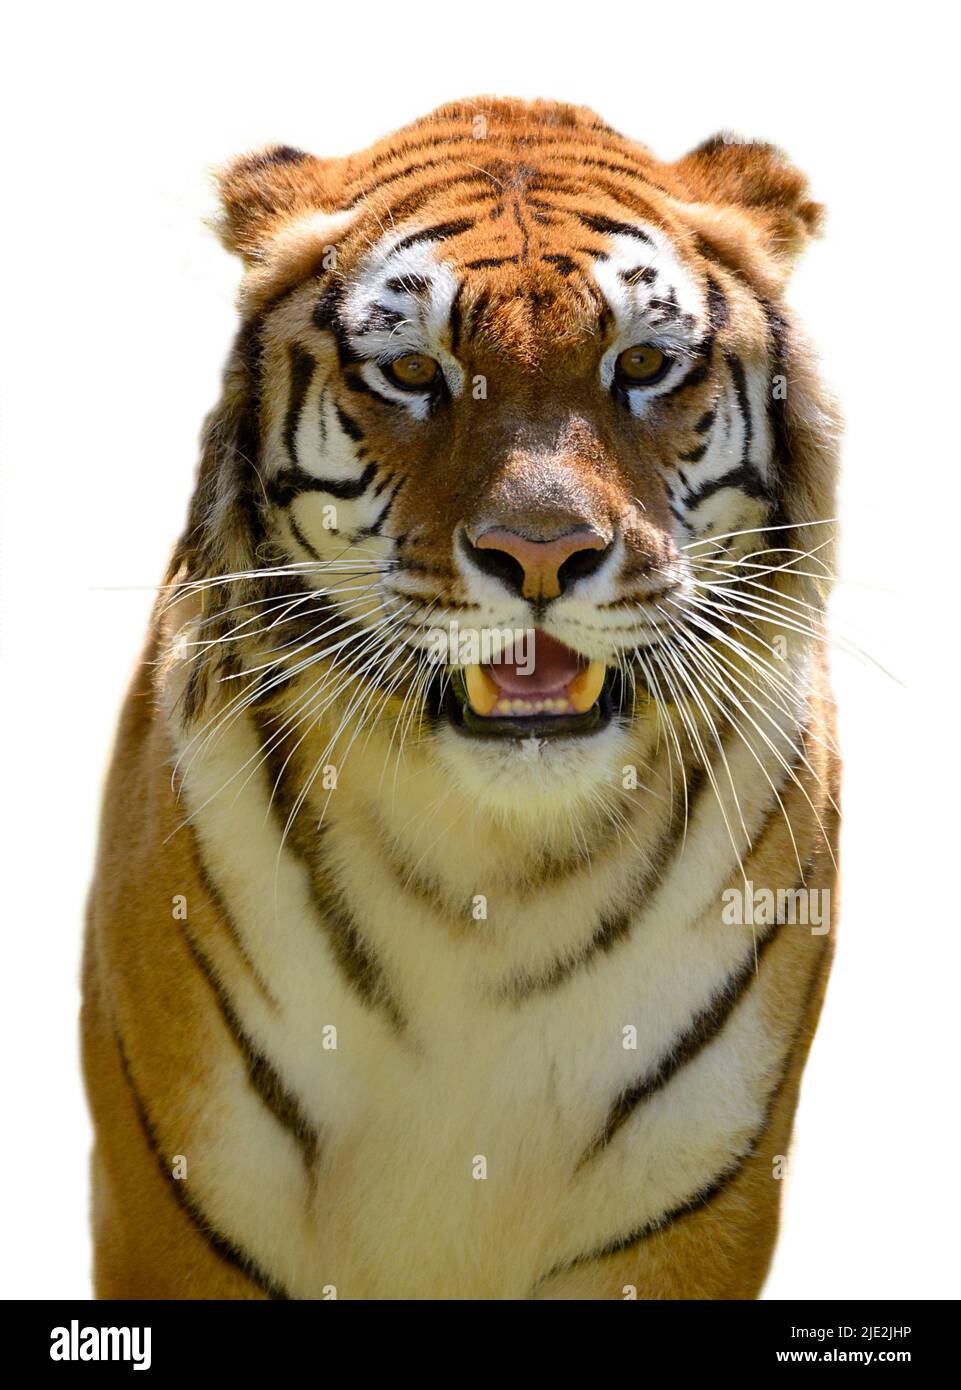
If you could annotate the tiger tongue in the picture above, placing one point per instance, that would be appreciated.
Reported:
(547, 668)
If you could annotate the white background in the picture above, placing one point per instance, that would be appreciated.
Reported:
(117, 313)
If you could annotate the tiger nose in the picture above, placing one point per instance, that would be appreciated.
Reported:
(539, 569)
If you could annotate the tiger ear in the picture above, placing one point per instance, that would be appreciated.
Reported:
(263, 192)
(757, 180)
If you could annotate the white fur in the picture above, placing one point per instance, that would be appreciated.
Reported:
(394, 1208)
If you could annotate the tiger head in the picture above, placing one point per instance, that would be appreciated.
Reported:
(510, 401)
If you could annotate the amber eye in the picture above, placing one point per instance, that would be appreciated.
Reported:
(642, 364)
(414, 372)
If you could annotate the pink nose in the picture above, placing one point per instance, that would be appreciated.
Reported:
(540, 562)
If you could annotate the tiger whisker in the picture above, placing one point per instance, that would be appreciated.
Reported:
(759, 531)
(225, 718)
(704, 658)
(680, 704)
(777, 685)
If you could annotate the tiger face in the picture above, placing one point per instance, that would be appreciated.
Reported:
(506, 385)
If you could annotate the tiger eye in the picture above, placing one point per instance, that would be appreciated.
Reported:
(413, 371)
(643, 363)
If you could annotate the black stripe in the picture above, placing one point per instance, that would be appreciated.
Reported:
(666, 306)
(408, 284)
(349, 426)
(380, 318)
(680, 517)
(745, 478)
(424, 192)
(226, 1250)
(223, 912)
(302, 540)
(417, 567)
(614, 927)
(478, 309)
(326, 317)
(355, 382)
(440, 232)
(703, 1029)
(640, 275)
(592, 162)
(327, 308)
(744, 475)
(564, 264)
(412, 204)
(521, 226)
(302, 368)
(489, 262)
(706, 1194)
(717, 310)
(696, 1202)
(356, 960)
(455, 318)
(695, 377)
(375, 528)
(263, 1076)
(290, 483)
(611, 930)
(693, 455)
(608, 226)
(736, 368)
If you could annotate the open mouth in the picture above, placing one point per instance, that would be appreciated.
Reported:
(554, 693)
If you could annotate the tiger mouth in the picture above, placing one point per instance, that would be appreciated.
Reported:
(562, 694)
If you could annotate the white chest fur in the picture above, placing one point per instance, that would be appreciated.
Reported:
(452, 1120)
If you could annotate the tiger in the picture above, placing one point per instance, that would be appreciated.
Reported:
(466, 884)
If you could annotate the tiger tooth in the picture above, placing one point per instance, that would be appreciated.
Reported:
(481, 690)
(585, 688)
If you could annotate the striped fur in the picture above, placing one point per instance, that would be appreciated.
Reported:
(373, 1010)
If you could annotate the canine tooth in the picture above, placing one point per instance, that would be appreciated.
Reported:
(586, 687)
(481, 690)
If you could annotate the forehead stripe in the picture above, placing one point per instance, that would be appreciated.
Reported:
(440, 232)
(608, 226)
(491, 262)
(408, 284)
